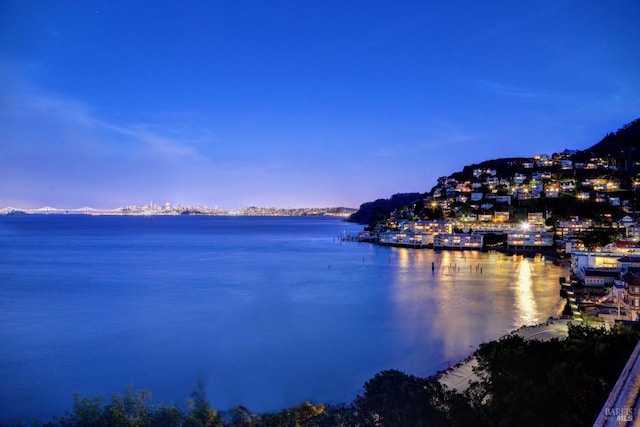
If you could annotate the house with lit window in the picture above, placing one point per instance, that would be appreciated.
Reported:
(457, 241)
(529, 239)
(600, 277)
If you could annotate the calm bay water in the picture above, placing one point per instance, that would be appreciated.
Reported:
(268, 312)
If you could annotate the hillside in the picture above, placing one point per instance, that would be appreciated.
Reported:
(621, 147)
(371, 212)
(601, 175)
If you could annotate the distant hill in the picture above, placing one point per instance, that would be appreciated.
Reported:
(371, 212)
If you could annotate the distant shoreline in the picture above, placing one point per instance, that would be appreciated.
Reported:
(170, 209)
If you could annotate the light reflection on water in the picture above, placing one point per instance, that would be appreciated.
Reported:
(459, 299)
(268, 312)
(525, 300)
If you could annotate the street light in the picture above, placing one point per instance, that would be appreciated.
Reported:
(525, 226)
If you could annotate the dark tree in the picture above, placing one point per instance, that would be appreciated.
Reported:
(201, 414)
(393, 398)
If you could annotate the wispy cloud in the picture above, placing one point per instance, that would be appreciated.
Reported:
(519, 20)
(510, 90)
(523, 93)
(436, 136)
(153, 144)
(57, 150)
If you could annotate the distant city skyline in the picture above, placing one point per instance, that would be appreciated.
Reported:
(297, 104)
(168, 209)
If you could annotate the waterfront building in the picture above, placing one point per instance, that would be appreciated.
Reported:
(588, 259)
(487, 227)
(529, 239)
(430, 227)
(457, 241)
(405, 239)
(596, 269)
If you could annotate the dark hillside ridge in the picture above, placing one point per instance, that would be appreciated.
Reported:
(504, 164)
(371, 212)
(625, 140)
(621, 147)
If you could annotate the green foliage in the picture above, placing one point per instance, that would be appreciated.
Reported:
(201, 414)
(301, 416)
(599, 237)
(167, 416)
(86, 412)
(528, 382)
(242, 417)
(393, 398)
(133, 409)
(337, 416)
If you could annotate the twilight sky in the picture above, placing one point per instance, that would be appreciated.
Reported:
(297, 103)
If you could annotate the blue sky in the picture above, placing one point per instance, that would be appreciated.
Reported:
(297, 103)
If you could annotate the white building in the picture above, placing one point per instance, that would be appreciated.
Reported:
(458, 241)
(529, 239)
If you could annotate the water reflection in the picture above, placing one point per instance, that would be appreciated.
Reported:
(450, 301)
(525, 301)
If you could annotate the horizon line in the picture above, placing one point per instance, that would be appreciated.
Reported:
(157, 207)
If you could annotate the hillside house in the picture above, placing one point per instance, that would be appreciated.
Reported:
(501, 216)
(566, 164)
(519, 178)
(599, 277)
(535, 218)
